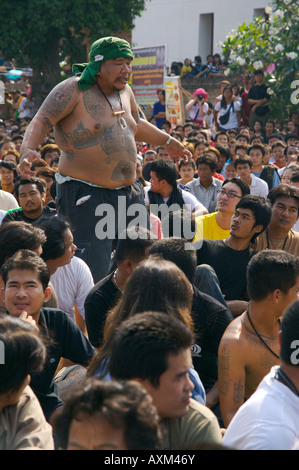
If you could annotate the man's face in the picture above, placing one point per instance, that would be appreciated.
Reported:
(24, 292)
(156, 184)
(256, 157)
(187, 131)
(114, 74)
(187, 172)
(279, 157)
(50, 155)
(290, 296)
(31, 200)
(149, 157)
(242, 140)
(269, 128)
(243, 224)
(163, 154)
(7, 176)
(204, 172)
(222, 139)
(70, 249)
(226, 203)
(92, 432)
(284, 213)
(292, 154)
(244, 171)
(172, 396)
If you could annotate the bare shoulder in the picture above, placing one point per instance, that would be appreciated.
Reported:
(62, 99)
(233, 337)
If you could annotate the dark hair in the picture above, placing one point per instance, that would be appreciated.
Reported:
(289, 335)
(54, 228)
(242, 185)
(186, 163)
(49, 148)
(17, 235)
(142, 345)
(245, 137)
(269, 270)
(220, 133)
(245, 160)
(295, 176)
(132, 248)
(122, 404)
(27, 260)
(24, 352)
(283, 190)
(165, 170)
(33, 180)
(179, 223)
(9, 166)
(261, 209)
(223, 102)
(155, 284)
(208, 160)
(256, 147)
(173, 249)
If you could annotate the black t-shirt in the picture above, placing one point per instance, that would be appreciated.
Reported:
(65, 340)
(259, 92)
(210, 320)
(18, 215)
(230, 266)
(101, 298)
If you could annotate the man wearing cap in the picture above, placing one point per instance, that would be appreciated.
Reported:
(197, 107)
(96, 121)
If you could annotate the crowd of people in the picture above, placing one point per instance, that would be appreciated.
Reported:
(89, 358)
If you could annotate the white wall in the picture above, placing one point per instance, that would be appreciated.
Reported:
(176, 23)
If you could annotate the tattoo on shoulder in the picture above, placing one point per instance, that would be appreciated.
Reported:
(60, 98)
(93, 104)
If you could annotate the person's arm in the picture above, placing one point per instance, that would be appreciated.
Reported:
(59, 103)
(147, 132)
(231, 377)
(239, 118)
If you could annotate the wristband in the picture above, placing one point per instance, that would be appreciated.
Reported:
(168, 141)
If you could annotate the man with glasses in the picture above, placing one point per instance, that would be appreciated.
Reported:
(225, 261)
(216, 225)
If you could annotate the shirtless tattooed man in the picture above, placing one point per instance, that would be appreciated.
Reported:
(96, 122)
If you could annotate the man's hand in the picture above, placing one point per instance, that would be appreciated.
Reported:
(24, 167)
(28, 318)
(177, 150)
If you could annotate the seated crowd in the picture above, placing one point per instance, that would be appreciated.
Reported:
(99, 366)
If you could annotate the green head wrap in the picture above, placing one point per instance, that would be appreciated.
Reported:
(102, 49)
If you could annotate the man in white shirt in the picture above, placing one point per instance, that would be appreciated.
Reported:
(269, 419)
(164, 190)
(258, 187)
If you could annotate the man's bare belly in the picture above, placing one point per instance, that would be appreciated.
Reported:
(95, 148)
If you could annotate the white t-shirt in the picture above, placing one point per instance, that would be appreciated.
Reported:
(72, 283)
(195, 108)
(258, 186)
(7, 201)
(268, 420)
(233, 120)
(190, 201)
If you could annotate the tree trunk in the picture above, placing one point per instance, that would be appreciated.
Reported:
(46, 74)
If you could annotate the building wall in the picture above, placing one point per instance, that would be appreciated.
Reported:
(180, 25)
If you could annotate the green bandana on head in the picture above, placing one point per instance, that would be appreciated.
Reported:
(101, 50)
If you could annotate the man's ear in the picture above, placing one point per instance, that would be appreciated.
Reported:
(47, 294)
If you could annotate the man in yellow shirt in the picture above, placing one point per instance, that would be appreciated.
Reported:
(216, 226)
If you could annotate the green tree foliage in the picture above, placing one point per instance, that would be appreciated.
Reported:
(41, 33)
(271, 44)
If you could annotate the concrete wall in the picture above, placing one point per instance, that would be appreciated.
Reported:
(183, 25)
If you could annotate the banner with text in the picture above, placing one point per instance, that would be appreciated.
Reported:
(148, 68)
(174, 101)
